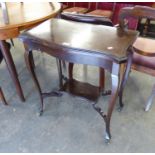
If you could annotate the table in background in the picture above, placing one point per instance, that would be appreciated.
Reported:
(22, 16)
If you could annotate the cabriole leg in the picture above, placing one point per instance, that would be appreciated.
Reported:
(30, 65)
(115, 75)
(124, 79)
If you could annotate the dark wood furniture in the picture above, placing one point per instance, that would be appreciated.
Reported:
(77, 9)
(142, 57)
(106, 11)
(1, 91)
(62, 39)
(108, 6)
(85, 18)
(146, 26)
(96, 20)
(20, 19)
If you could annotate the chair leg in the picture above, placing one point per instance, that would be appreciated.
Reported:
(101, 75)
(2, 97)
(12, 42)
(101, 78)
(32, 61)
(70, 70)
(150, 99)
(60, 73)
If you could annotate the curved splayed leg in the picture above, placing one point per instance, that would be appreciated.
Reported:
(29, 64)
(115, 75)
(124, 80)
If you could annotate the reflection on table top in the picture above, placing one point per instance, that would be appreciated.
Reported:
(99, 39)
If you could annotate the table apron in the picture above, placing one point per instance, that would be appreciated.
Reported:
(9, 33)
(73, 55)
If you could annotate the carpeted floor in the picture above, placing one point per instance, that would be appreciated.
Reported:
(70, 124)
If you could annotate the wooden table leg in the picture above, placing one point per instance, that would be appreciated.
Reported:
(60, 73)
(11, 67)
(2, 97)
(124, 79)
(101, 78)
(150, 99)
(70, 70)
(29, 63)
(115, 75)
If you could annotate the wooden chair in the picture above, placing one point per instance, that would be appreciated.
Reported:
(87, 19)
(146, 26)
(142, 58)
(106, 12)
(1, 92)
(76, 9)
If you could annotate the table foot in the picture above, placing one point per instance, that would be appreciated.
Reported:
(41, 112)
(120, 108)
(100, 111)
(107, 138)
(50, 94)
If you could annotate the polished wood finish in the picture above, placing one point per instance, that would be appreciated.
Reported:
(2, 97)
(142, 57)
(104, 13)
(25, 15)
(95, 41)
(104, 10)
(22, 16)
(145, 46)
(76, 10)
(84, 90)
(93, 20)
(62, 39)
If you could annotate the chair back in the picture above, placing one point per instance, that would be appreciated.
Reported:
(138, 12)
(86, 19)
